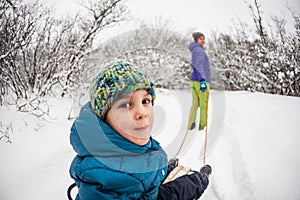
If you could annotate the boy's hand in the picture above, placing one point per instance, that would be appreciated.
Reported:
(203, 85)
(172, 164)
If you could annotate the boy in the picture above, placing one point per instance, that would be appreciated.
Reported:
(116, 156)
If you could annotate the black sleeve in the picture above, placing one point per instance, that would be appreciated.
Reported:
(184, 188)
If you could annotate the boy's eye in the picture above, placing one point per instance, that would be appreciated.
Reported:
(146, 101)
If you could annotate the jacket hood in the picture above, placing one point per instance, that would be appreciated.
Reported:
(193, 45)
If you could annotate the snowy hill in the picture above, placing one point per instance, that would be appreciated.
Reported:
(253, 146)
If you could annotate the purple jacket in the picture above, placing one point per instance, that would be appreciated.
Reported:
(200, 63)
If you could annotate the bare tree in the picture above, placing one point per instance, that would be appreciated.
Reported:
(39, 53)
(280, 24)
(256, 13)
(240, 31)
(102, 14)
(272, 67)
(161, 52)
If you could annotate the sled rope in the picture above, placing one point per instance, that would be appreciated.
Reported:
(181, 170)
(177, 172)
(189, 124)
(206, 130)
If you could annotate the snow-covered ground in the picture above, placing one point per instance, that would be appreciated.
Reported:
(253, 146)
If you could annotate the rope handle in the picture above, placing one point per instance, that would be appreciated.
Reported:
(189, 123)
(206, 130)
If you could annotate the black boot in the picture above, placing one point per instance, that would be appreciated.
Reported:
(192, 126)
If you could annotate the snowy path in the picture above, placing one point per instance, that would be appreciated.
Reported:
(224, 156)
(230, 179)
(250, 151)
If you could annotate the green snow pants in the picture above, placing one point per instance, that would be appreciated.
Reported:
(199, 100)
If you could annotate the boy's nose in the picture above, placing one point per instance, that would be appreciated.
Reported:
(140, 112)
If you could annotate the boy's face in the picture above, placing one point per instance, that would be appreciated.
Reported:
(132, 116)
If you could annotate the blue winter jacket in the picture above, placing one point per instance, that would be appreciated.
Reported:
(200, 63)
(107, 166)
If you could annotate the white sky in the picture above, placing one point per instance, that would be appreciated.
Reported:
(208, 14)
(198, 15)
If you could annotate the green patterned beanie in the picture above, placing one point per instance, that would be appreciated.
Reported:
(116, 79)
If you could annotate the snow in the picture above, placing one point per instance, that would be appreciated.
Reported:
(253, 146)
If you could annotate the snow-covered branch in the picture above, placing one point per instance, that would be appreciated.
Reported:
(39, 52)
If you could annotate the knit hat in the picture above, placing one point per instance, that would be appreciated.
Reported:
(197, 35)
(116, 79)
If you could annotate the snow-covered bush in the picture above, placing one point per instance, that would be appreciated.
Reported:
(270, 63)
(40, 54)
